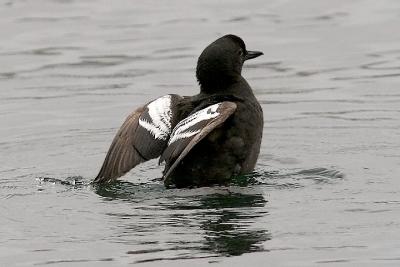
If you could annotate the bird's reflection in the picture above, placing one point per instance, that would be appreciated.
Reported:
(212, 221)
(231, 232)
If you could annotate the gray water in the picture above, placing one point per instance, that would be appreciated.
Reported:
(326, 191)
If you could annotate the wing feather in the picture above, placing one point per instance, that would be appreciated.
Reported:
(191, 131)
(137, 142)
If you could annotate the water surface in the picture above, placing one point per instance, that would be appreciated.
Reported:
(326, 187)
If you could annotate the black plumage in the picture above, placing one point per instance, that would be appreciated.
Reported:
(205, 139)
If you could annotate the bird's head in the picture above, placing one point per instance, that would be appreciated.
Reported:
(220, 63)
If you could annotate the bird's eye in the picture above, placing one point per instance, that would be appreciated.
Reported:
(240, 52)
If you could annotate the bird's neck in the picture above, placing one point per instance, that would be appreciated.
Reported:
(237, 87)
(216, 84)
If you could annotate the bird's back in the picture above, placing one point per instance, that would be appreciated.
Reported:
(229, 150)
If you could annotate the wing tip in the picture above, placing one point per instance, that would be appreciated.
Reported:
(123, 155)
(103, 178)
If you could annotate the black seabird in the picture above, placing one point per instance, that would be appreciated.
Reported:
(204, 139)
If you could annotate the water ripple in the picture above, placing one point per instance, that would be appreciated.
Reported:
(51, 19)
(43, 51)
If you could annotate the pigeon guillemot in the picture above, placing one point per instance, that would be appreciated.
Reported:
(204, 139)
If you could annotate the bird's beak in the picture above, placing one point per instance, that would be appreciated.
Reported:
(252, 54)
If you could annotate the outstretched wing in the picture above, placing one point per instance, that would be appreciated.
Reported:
(190, 131)
(143, 136)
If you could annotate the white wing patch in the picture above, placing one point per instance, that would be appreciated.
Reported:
(160, 114)
(181, 129)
